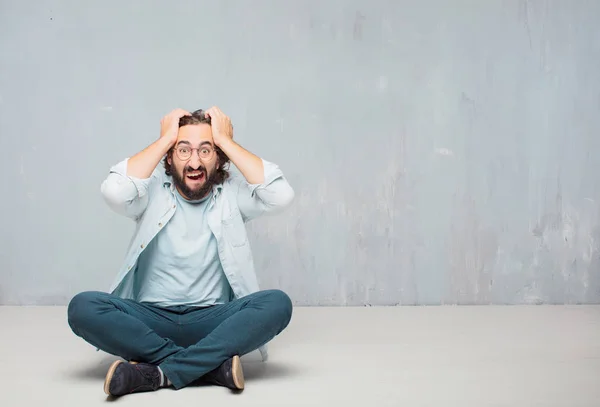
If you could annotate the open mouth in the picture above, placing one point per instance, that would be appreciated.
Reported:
(195, 176)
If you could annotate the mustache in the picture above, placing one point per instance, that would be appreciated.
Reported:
(190, 169)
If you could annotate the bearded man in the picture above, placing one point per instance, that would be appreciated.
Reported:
(185, 305)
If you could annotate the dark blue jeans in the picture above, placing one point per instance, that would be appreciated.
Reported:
(184, 342)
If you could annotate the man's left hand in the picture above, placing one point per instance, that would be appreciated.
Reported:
(222, 130)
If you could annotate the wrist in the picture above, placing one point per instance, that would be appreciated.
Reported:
(165, 144)
(225, 144)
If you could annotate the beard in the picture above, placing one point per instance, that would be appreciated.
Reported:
(197, 192)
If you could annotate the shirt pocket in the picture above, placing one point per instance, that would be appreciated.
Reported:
(234, 230)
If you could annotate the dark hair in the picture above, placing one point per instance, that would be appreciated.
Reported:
(198, 117)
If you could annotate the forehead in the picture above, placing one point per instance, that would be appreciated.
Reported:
(195, 133)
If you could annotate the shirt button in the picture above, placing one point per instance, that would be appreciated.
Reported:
(142, 245)
(160, 225)
(173, 206)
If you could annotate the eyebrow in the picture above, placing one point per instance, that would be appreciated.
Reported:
(189, 144)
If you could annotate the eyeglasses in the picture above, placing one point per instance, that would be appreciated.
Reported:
(185, 152)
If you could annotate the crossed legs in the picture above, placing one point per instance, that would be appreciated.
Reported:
(185, 343)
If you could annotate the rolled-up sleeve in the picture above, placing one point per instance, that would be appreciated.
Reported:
(124, 194)
(271, 196)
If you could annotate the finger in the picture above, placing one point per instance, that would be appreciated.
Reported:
(210, 112)
(177, 113)
(180, 113)
(218, 114)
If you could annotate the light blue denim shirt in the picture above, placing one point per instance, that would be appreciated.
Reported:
(151, 203)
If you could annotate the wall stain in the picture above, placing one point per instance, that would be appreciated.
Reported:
(359, 20)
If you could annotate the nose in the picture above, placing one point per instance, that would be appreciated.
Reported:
(195, 160)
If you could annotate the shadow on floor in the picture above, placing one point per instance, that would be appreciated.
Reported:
(269, 370)
(91, 370)
(96, 369)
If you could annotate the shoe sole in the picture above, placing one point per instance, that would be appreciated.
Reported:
(237, 373)
(109, 375)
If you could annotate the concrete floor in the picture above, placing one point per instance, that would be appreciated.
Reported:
(410, 356)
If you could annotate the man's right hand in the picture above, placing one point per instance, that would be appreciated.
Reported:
(169, 125)
(143, 163)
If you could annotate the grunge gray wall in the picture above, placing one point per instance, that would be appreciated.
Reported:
(442, 152)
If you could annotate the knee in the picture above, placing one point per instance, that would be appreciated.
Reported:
(280, 304)
(81, 307)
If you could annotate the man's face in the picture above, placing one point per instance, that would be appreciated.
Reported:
(194, 161)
